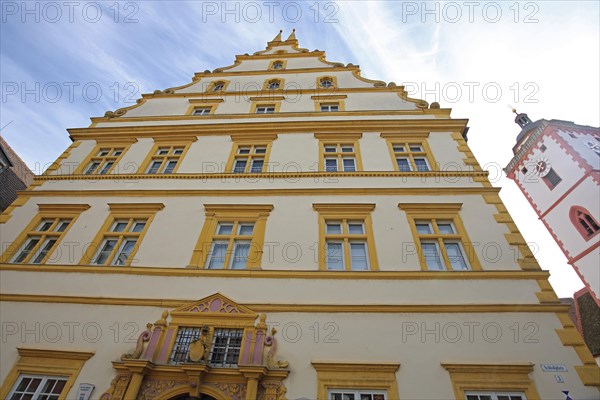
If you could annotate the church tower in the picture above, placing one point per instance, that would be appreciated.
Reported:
(556, 165)
(280, 228)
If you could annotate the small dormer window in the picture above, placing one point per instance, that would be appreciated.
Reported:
(278, 65)
(326, 82)
(274, 84)
(218, 86)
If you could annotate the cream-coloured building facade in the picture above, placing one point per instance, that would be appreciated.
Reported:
(281, 228)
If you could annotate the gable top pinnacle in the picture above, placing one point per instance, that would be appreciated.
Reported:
(290, 41)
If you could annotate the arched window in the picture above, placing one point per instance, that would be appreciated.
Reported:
(274, 84)
(326, 82)
(217, 86)
(585, 224)
(278, 64)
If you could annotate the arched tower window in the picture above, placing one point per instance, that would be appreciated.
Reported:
(585, 224)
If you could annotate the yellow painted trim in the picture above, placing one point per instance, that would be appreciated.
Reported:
(298, 308)
(131, 212)
(272, 62)
(327, 98)
(217, 128)
(252, 140)
(527, 260)
(504, 377)
(170, 142)
(56, 164)
(270, 97)
(272, 175)
(432, 212)
(339, 139)
(333, 79)
(206, 100)
(255, 104)
(197, 105)
(589, 372)
(54, 212)
(235, 213)
(270, 80)
(340, 103)
(359, 375)
(18, 202)
(106, 143)
(394, 191)
(282, 274)
(211, 86)
(346, 213)
(48, 362)
(406, 141)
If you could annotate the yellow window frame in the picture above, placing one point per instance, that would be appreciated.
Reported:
(340, 103)
(252, 141)
(232, 213)
(122, 211)
(359, 375)
(432, 212)
(110, 145)
(255, 105)
(55, 212)
(167, 142)
(498, 377)
(337, 139)
(333, 79)
(211, 86)
(46, 362)
(272, 63)
(406, 141)
(270, 80)
(348, 212)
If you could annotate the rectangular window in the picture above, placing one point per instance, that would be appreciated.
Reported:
(346, 237)
(441, 245)
(120, 242)
(351, 394)
(330, 107)
(39, 240)
(165, 159)
(440, 237)
(121, 234)
(495, 396)
(181, 348)
(346, 245)
(249, 157)
(265, 109)
(103, 161)
(232, 236)
(225, 348)
(339, 157)
(202, 111)
(38, 387)
(411, 156)
(231, 243)
(552, 179)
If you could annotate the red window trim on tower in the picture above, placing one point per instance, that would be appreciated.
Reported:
(584, 222)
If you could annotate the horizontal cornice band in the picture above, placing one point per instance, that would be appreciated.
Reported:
(396, 191)
(300, 308)
(266, 175)
(282, 274)
(409, 126)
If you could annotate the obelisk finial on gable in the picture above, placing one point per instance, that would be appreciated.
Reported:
(292, 35)
(278, 37)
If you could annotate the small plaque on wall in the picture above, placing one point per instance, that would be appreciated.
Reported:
(84, 391)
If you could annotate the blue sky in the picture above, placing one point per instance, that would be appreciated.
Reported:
(542, 57)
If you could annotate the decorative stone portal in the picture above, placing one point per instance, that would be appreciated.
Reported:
(213, 349)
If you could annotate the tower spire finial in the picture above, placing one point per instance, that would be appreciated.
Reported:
(278, 37)
(292, 35)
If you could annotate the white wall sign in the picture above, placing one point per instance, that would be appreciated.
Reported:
(554, 367)
(84, 391)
